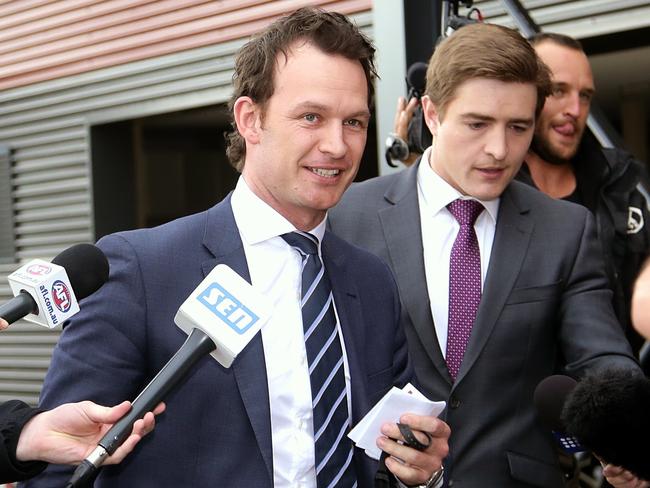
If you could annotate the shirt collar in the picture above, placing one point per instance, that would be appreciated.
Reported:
(436, 193)
(258, 221)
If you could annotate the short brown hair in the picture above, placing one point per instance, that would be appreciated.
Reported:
(484, 51)
(331, 32)
(559, 39)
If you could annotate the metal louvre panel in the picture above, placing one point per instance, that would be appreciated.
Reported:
(578, 18)
(5, 291)
(25, 351)
(7, 250)
(47, 127)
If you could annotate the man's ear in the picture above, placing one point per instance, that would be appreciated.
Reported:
(431, 114)
(248, 117)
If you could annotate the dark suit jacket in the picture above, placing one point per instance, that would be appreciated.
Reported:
(216, 430)
(14, 415)
(545, 305)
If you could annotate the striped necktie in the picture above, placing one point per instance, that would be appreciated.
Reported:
(332, 421)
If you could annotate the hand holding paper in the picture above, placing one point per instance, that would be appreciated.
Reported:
(378, 431)
(389, 409)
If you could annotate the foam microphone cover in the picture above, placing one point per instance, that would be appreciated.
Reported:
(416, 76)
(609, 412)
(549, 398)
(86, 267)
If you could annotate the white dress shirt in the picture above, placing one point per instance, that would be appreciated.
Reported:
(275, 270)
(439, 230)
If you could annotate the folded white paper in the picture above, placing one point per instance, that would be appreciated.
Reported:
(390, 408)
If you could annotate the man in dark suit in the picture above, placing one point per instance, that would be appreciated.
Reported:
(302, 90)
(566, 161)
(494, 303)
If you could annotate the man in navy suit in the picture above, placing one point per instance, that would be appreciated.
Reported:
(302, 90)
(542, 302)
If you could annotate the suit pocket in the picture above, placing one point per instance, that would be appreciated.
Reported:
(533, 471)
(535, 293)
(379, 383)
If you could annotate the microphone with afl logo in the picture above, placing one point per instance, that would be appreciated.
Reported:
(221, 316)
(47, 293)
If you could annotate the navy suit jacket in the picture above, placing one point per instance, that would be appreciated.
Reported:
(216, 430)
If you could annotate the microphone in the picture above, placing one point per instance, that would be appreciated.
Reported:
(609, 411)
(549, 398)
(416, 78)
(221, 316)
(396, 148)
(47, 293)
(419, 136)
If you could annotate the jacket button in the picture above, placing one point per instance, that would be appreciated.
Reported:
(454, 402)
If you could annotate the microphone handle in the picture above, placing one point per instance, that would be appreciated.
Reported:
(197, 345)
(19, 306)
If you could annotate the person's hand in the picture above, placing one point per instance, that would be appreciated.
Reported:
(640, 307)
(68, 433)
(3, 324)
(403, 115)
(621, 478)
(410, 466)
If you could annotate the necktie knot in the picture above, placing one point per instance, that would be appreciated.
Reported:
(465, 211)
(303, 241)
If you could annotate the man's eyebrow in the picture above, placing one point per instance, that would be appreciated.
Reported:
(311, 106)
(360, 113)
(564, 84)
(477, 116)
(523, 121)
(319, 107)
(489, 118)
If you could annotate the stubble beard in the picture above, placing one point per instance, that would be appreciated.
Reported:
(544, 149)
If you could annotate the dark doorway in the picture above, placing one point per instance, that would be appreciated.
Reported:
(152, 170)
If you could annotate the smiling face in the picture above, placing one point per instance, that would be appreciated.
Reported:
(480, 140)
(304, 146)
(562, 121)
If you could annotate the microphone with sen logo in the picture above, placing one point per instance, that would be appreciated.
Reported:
(220, 316)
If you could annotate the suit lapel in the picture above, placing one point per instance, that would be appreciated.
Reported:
(403, 234)
(348, 308)
(222, 240)
(511, 240)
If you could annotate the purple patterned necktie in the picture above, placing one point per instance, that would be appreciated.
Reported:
(464, 282)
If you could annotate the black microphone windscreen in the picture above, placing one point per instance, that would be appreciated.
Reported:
(549, 399)
(609, 412)
(86, 267)
(416, 76)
